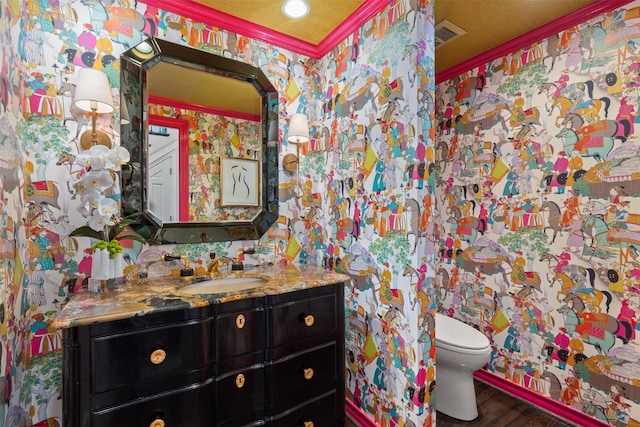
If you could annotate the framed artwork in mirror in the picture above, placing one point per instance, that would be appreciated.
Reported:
(239, 182)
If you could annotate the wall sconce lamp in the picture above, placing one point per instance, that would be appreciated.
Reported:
(298, 134)
(124, 112)
(93, 94)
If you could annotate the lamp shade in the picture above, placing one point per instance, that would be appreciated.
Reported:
(93, 91)
(298, 129)
(124, 112)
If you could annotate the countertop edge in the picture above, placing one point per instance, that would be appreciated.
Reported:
(88, 308)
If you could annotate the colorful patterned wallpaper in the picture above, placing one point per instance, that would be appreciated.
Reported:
(522, 196)
(362, 206)
(537, 213)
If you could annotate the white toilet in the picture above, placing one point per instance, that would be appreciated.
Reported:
(460, 350)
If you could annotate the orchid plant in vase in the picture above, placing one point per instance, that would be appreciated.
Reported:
(98, 189)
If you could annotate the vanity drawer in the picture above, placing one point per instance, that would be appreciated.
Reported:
(321, 412)
(303, 319)
(239, 396)
(239, 338)
(300, 377)
(149, 355)
(182, 407)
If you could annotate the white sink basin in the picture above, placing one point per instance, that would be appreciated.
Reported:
(227, 284)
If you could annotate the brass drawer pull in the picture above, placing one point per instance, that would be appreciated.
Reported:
(240, 321)
(157, 357)
(308, 373)
(240, 381)
(157, 423)
(309, 320)
(308, 424)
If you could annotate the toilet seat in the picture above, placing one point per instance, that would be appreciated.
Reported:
(454, 335)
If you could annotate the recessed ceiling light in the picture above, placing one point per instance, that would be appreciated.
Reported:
(295, 8)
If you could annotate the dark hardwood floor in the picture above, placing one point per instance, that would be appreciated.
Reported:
(498, 409)
(350, 423)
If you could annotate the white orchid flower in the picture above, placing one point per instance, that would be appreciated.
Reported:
(100, 156)
(98, 222)
(91, 197)
(84, 159)
(98, 180)
(107, 207)
(85, 209)
(109, 158)
(122, 156)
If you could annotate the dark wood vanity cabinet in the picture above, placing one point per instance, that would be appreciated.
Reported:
(276, 360)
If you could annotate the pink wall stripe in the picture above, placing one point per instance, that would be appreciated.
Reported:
(358, 416)
(546, 403)
(237, 25)
(591, 11)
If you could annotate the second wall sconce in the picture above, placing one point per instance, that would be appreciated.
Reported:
(93, 94)
(298, 133)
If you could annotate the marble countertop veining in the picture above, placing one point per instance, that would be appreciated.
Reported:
(156, 294)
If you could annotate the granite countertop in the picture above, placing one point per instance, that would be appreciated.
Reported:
(156, 294)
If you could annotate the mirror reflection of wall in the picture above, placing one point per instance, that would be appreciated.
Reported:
(210, 137)
(227, 108)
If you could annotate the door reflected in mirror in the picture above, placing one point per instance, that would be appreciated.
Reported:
(189, 109)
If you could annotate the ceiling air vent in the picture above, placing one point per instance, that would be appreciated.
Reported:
(446, 31)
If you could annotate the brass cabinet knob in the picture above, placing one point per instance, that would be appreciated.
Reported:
(309, 320)
(240, 381)
(240, 321)
(308, 373)
(308, 424)
(157, 423)
(157, 357)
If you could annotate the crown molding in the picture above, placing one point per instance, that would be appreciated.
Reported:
(201, 13)
(579, 16)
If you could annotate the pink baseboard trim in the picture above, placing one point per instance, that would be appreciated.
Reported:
(358, 416)
(546, 403)
(581, 15)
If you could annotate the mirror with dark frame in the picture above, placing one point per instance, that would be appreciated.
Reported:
(215, 121)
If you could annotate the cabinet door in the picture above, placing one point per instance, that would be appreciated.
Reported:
(239, 338)
(239, 396)
(152, 354)
(189, 406)
(321, 412)
(304, 320)
(297, 378)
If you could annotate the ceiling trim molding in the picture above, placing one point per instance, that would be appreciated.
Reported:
(579, 16)
(153, 99)
(237, 25)
(361, 15)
